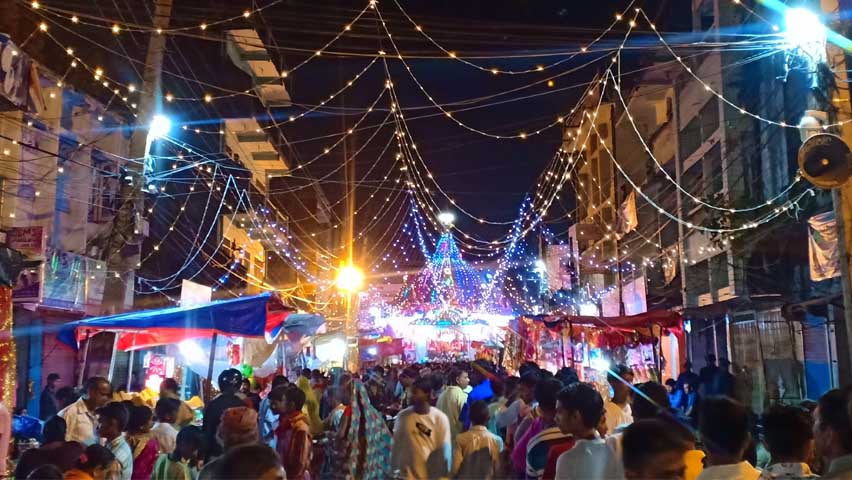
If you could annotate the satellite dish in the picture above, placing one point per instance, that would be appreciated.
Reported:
(825, 160)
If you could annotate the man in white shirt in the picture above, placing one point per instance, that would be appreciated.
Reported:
(618, 412)
(477, 451)
(833, 432)
(80, 416)
(452, 400)
(579, 408)
(725, 431)
(421, 437)
(789, 435)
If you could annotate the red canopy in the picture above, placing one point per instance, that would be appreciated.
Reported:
(663, 318)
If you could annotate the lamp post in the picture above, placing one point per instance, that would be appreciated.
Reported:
(350, 281)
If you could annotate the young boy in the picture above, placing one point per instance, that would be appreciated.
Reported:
(164, 430)
(653, 448)
(477, 451)
(112, 420)
(182, 463)
(421, 437)
(293, 437)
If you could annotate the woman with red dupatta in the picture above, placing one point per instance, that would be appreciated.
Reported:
(145, 447)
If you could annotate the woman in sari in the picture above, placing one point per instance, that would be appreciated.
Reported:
(369, 438)
(311, 406)
(145, 447)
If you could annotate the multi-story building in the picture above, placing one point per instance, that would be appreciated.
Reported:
(714, 164)
(63, 153)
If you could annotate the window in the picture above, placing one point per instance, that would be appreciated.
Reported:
(709, 116)
(719, 271)
(690, 138)
(713, 171)
(700, 128)
(697, 280)
(105, 199)
(693, 179)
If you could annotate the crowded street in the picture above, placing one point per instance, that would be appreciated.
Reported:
(425, 240)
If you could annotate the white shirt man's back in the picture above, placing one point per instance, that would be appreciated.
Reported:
(421, 444)
(589, 460)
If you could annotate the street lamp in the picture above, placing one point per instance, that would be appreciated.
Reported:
(160, 127)
(447, 219)
(350, 279)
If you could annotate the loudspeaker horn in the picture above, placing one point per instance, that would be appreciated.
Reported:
(825, 160)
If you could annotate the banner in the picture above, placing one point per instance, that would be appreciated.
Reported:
(822, 247)
(670, 261)
(65, 280)
(14, 73)
(27, 287)
(557, 259)
(628, 219)
(192, 293)
(27, 240)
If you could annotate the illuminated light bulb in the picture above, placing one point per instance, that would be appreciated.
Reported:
(159, 31)
(75, 19)
(156, 248)
(495, 71)
(632, 23)
(551, 83)
(452, 54)
(284, 74)
(539, 67)
(246, 14)
(100, 118)
(69, 51)
(208, 98)
(169, 97)
(347, 27)
(131, 88)
(59, 84)
(52, 95)
(203, 26)
(35, 5)
(318, 53)
(115, 29)
(618, 16)
(42, 26)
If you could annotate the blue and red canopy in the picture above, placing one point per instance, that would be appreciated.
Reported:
(244, 317)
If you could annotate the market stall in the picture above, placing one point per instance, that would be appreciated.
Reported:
(207, 338)
(649, 343)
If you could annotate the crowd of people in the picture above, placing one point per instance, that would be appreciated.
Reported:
(436, 421)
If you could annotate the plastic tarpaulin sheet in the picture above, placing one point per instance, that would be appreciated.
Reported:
(246, 317)
(822, 247)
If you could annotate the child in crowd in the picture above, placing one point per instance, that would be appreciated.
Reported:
(164, 430)
(112, 420)
(182, 462)
(95, 463)
(293, 437)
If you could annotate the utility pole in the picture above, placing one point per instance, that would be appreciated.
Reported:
(123, 245)
(839, 106)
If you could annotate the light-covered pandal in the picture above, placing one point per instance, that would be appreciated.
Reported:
(443, 312)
